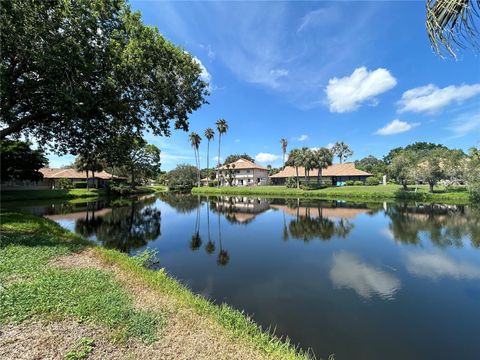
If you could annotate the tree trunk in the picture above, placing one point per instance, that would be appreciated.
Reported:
(132, 172)
(208, 161)
(218, 160)
(93, 179)
(88, 186)
(298, 182)
(404, 183)
(431, 184)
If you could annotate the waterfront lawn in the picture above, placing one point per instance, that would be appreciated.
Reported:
(31, 195)
(380, 192)
(35, 287)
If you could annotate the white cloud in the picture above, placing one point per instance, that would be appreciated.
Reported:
(396, 127)
(431, 99)
(350, 272)
(319, 17)
(302, 138)
(266, 157)
(465, 124)
(437, 265)
(347, 93)
(205, 75)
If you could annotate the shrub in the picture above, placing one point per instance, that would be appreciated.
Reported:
(372, 181)
(119, 188)
(349, 182)
(213, 183)
(291, 182)
(65, 184)
(80, 185)
(358, 183)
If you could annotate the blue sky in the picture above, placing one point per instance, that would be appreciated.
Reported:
(315, 73)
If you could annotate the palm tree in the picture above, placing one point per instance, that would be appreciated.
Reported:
(295, 160)
(284, 143)
(323, 159)
(341, 150)
(195, 141)
(451, 24)
(209, 135)
(222, 127)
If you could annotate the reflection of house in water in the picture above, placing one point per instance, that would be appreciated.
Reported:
(315, 212)
(241, 209)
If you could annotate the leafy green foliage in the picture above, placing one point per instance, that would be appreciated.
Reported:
(76, 73)
(372, 165)
(20, 162)
(183, 177)
(82, 349)
(341, 150)
(234, 157)
(372, 181)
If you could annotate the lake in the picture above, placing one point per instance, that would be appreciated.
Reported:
(358, 280)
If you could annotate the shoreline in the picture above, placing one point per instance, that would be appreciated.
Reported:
(41, 257)
(352, 193)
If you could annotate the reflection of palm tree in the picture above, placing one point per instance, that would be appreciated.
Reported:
(210, 247)
(223, 257)
(285, 228)
(196, 241)
(343, 228)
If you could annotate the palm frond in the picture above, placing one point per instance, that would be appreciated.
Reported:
(452, 25)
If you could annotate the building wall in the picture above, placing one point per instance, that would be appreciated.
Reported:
(281, 181)
(245, 177)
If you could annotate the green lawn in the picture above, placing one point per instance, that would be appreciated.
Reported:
(32, 288)
(388, 192)
(31, 195)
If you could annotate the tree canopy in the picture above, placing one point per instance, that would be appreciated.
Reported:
(234, 157)
(74, 73)
(20, 162)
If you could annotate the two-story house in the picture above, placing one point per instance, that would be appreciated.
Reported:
(242, 173)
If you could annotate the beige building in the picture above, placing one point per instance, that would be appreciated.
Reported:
(242, 173)
(337, 173)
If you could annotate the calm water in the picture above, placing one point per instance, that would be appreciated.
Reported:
(376, 281)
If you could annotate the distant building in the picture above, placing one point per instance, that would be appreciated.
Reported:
(242, 173)
(337, 173)
(52, 177)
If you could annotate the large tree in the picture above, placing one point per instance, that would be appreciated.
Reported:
(209, 135)
(284, 143)
(195, 141)
(323, 159)
(295, 160)
(20, 162)
(68, 67)
(402, 167)
(372, 165)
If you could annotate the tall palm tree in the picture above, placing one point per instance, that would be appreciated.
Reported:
(341, 150)
(284, 143)
(323, 159)
(222, 127)
(209, 135)
(195, 141)
(295, 160)
(451, 24)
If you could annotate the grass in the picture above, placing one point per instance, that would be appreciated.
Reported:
(32, 195)
(378, 193)
(32, 288)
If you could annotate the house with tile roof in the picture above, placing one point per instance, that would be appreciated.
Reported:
(242, 173)
(337, 173)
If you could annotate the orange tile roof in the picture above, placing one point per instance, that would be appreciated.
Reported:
(49, 173)
(244, 164)
(347, 169)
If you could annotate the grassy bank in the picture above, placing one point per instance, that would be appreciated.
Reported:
(48, 274)
(378, 193)
(31, 195)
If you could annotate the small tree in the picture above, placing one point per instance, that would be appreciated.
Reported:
(472, 171)
(401, 168)
(183, 177)
(430, 168)
(323, 159)
(284, 143)
(195, 141)
(295, 160)
(209, 135)
(342, 151)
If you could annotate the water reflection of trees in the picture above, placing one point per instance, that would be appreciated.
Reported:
(125, 227)
(183, 203)
(445, 225)
(308, 228)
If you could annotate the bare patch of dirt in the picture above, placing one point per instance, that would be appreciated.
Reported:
(82, 260)
(53, 340)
